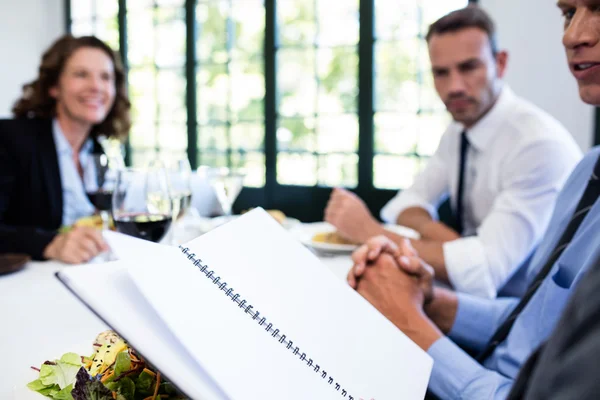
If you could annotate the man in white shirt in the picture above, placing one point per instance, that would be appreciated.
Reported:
(502, 161)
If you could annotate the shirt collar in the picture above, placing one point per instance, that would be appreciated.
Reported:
(486, 128)
(62, 144)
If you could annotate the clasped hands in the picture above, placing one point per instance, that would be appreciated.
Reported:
(398, 283)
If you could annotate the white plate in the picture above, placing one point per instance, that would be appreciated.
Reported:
(212, 223)
(305, 233)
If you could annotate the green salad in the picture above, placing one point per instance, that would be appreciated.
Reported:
(113, 372)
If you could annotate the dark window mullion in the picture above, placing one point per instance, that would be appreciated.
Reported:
(365, 98)
(270, 70)
(68, 18)
(122, 25)
(190, 77)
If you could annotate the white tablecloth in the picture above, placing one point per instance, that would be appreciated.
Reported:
(40, 319)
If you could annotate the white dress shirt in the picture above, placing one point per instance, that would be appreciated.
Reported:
(517, 161)
(75, 202)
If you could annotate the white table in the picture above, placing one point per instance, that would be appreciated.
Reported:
(40, 319)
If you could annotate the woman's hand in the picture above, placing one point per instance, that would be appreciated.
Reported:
(77, 246)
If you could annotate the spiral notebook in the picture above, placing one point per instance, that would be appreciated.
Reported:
(246, 312)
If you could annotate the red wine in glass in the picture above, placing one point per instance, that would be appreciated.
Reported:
(151, 227)
(101, 199)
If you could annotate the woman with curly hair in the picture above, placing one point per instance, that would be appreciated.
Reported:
(78, 95)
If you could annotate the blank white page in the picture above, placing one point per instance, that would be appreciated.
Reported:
(365, 356)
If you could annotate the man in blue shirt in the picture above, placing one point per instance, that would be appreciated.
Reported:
(504, 331)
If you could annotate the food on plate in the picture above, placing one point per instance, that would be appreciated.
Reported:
(113, 371)
(278, 215)
(331, 238)
(92, 221)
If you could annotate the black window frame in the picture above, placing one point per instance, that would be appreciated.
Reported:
(304, 202)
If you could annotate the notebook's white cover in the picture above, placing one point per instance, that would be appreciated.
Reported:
(360, 353)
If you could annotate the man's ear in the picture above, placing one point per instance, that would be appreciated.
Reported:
(501, 63)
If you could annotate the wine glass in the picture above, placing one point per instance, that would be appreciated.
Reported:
(99, 178)
(180, 174)
(227, 184)
(141, 204)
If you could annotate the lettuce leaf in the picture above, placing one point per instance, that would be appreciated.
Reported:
(56, 378)
(88, 388)
(63, 372)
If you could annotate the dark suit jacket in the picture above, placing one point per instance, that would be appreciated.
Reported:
(31, 203)
(566, 367)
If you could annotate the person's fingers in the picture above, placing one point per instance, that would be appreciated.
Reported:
(411, 265)
(359, 256)
(359, 269)
(351, 279)
(406, 248)
(96, 236)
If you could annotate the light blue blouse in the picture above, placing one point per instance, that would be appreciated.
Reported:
(75, 201)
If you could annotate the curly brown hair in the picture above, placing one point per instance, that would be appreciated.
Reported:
(36, 101)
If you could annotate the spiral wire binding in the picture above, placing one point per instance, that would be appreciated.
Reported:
(262, 321)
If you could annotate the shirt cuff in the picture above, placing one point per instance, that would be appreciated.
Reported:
(392, 210)
(477, 319)
(467, 267)
(453, 369)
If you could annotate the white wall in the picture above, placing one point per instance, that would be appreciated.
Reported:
(531, 30)
(27, 28)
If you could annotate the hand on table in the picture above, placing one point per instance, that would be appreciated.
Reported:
(79, 245)
(349, 214)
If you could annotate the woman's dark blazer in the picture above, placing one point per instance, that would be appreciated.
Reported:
(31, 201)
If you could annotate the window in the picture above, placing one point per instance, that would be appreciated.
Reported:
(409, 117)
(157, 86)
(96, 17)
(304, 94)
(230, 85)
(317, 80)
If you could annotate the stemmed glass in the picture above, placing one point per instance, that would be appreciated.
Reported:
(142, 205)
(180, 174)
(99, 182)
(227, 184)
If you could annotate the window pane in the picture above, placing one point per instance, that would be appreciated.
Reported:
(397, 87)
(393, 172)
(248, 136)
(297, 134)
(397, 20)
(213, 93)
(338, 169)
(338, 22)
(211, 18)
(338, 78)
(396, 133)
(105, 9)
(253, 164)
(296, 19)
(172, 136)
(140, 37)
(297, 83)
(247, 91)
(212, 138)
(297, 169)
(171, 95)
(337, 134)
(81, 9)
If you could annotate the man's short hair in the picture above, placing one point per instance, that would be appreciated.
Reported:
(471, 16)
